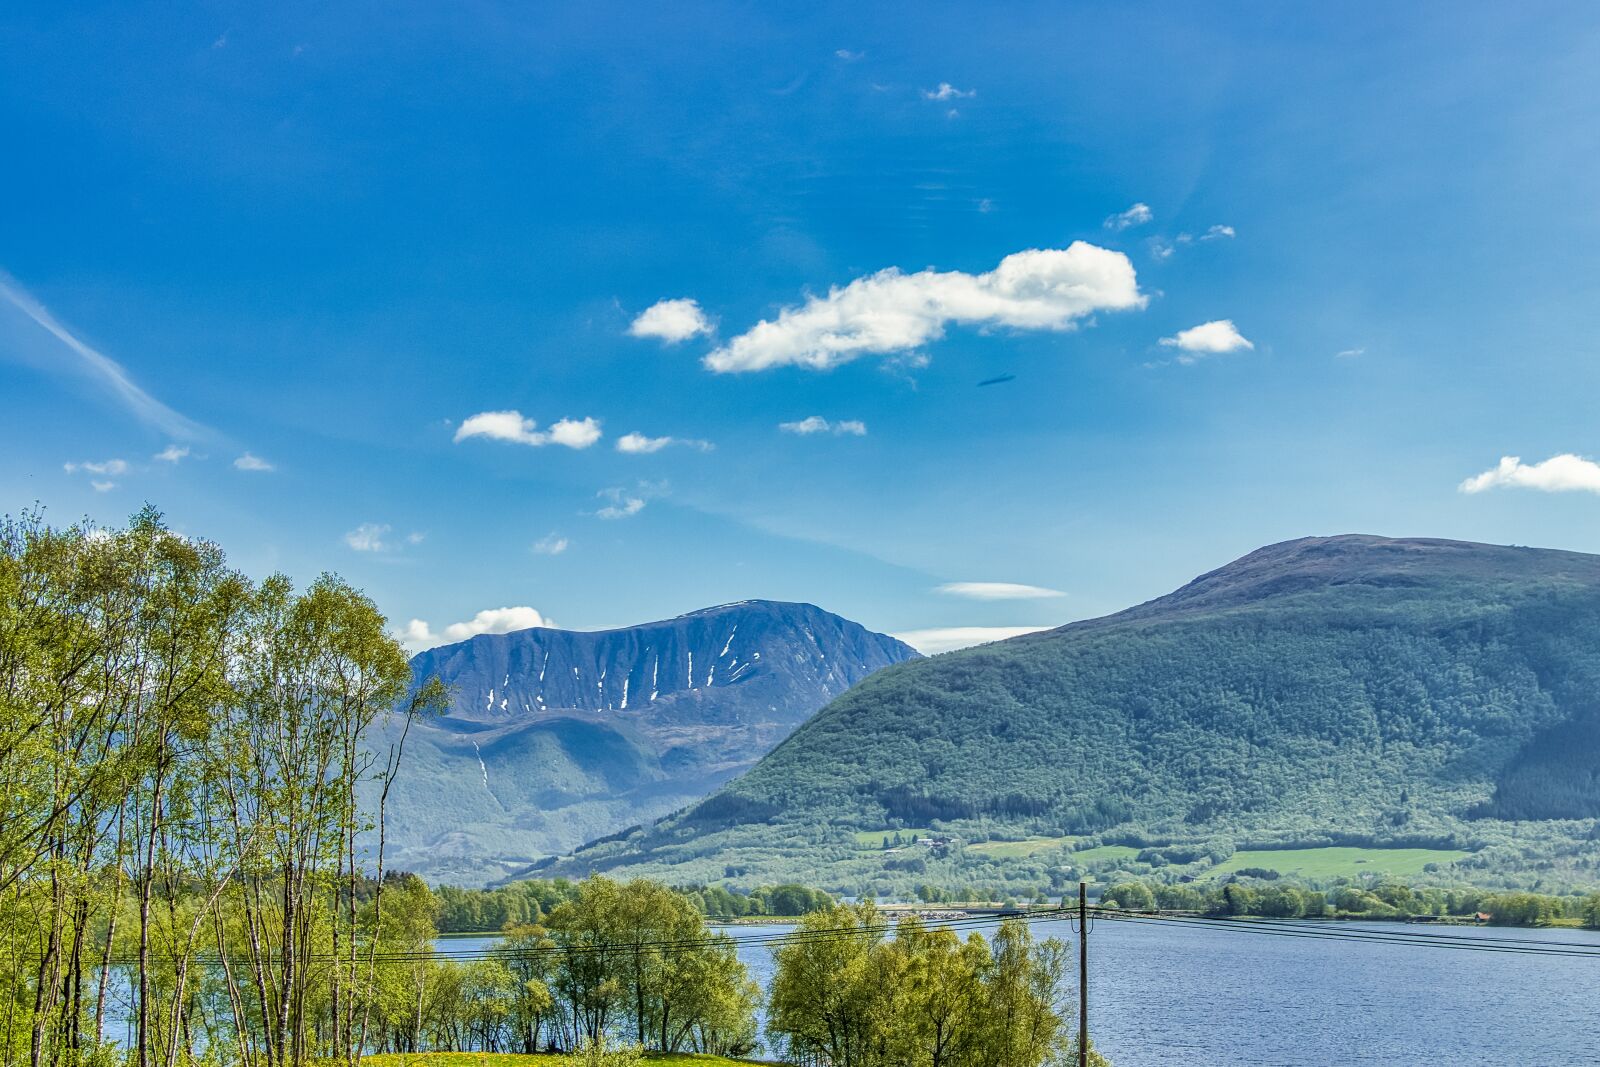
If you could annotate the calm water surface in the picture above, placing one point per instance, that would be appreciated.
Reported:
(1162, 995)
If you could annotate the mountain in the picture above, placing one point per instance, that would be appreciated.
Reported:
(1330, 690)
(555, 737)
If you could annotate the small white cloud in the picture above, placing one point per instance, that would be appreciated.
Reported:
(638, 443)
(625, 502)
(418, 635)
(815, 424)
(1137, 215)
(1217, 232)
(1566, 473)
(890, 313)
(172, 453)
(510, 426)
(847, 55)
(946, 91)
(985, 206)
(1349, 353)
(997, 591)
(933, 641)
(369, 537)
(102, 487)
(671, 321)
(1207, 339)
(107, 467)
(415, 538)
(252, 462)
(551, 544)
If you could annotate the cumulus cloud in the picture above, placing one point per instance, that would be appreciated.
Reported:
(172, 454)
(638, 443)
(109, 466)
(512, 427)
(1217, 232)
(847, 55)
(252, 462)
(890, 312)
(1207, 339)
(1137, 215)
(369, 537)
(814, 424)
(671, 321)
(551, 544)
(939, 639)
(997, 591)
(102, 487)
(946, 91)
(418, 635)
(1565, 473)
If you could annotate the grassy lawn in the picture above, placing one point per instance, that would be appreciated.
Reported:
(1339, 862)
(506, 1059)
(1101, 853)
(874, 838)
(1017, 849)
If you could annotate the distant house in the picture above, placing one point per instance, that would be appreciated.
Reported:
(1482, 917)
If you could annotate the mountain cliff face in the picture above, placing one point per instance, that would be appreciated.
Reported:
(1353, 687)
(556, 737)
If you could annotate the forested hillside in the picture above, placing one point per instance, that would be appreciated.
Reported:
(1327, 690)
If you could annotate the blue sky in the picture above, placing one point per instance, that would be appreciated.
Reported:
(316, 240)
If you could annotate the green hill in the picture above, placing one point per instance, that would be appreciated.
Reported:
(1327, 691)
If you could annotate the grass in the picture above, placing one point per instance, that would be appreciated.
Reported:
(874, 838)
(510, 1059)
(1101, 853)
(1339, 862)
(1010, 850)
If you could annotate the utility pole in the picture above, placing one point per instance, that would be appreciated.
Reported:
(1083, 974)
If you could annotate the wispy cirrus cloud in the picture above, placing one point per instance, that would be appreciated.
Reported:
(99, 366)
(1566, 473)
(890, 313)
(252, 462)
(511, 427)
(639, 444)
(624, 502)
(1137, 215)
(671, 321)
(997, 591)
(172, 454)
(931, 642)
(552, 544)
(815, 424)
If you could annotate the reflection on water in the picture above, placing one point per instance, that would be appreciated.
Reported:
(1160, 996)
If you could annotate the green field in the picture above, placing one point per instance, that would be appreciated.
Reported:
(1018, 849)
(874, 838)
(1339, 862)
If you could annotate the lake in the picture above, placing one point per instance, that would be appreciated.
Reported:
(1166, 995)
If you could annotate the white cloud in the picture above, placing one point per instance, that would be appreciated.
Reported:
(109, 466)
(1349, 353)
(638, 443)
(997, 591)
(172, 453)
(551, 544)
(1216, 232)
(511, 426)
(1207, 339)
(931, 642)
(847, 55)
(251, 462)
(946, 91)
(102, 487)
(418, 635)
(890, 312)
(813, 424)
(374, 537)
(107, 370)
(1137, 215)
(625, 502)
(671, 321)
(1565, 473)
